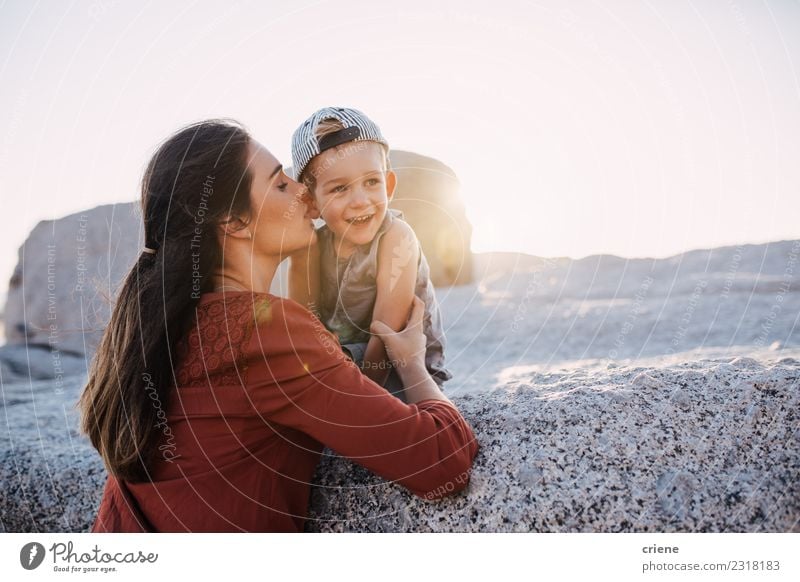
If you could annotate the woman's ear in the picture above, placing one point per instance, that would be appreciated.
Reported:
(234, 227)
(391, 183)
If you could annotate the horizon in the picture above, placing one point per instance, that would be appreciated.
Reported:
(4, 288)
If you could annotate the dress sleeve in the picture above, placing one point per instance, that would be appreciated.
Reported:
(299, 378)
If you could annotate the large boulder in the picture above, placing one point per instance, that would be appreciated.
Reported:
(428, 195)
(706, 446)
(52, 478)
(60, 295)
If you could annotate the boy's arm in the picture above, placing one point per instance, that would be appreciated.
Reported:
(398, 257)
(304, 277)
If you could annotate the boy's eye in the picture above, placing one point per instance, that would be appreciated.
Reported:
(372, 181)
(282, 187)
(339, 188)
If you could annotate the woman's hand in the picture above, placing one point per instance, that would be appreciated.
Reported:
(405, 348)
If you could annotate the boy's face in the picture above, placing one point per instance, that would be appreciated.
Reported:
(352, 191)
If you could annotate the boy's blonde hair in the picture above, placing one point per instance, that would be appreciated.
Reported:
(327, 127)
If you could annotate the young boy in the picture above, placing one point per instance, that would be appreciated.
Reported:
(370, 262)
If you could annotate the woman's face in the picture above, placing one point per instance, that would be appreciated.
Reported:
(280, 207)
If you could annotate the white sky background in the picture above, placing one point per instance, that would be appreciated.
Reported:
(576, 128)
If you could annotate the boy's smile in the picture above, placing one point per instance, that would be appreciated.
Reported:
(352, 191)
(360, 220)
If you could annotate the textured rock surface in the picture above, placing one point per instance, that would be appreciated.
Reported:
(51, 477)
(706, 446)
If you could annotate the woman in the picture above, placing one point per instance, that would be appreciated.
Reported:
(210, 400)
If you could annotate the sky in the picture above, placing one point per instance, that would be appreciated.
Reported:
(641, 129)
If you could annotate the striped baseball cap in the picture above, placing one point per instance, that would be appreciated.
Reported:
(356, 127)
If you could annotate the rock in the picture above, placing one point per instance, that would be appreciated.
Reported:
(644, 380)
(60, 294)
(584, 461)
(428, 195)
(675, 491)
(681, 399)
(21, 363)
(589, 462)
(745, 363)
(52, 478)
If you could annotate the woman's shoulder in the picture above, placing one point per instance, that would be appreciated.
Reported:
(280, 316)
(287, 338)
(230, 310)
(255, 325)
(238, 316)
(217, 344)
(261, 308)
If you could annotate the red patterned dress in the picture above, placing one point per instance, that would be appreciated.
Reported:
(262, 387)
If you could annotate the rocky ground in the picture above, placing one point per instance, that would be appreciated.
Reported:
(710, 445)
(607, 395)
(706, 446)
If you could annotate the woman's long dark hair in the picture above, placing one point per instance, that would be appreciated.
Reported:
(195, 179)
